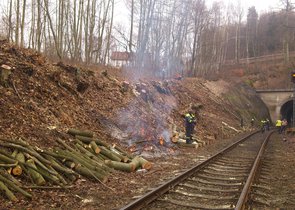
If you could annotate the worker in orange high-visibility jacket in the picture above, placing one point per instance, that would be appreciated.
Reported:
(190, 123)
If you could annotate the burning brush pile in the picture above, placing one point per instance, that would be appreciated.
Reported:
(146, 124)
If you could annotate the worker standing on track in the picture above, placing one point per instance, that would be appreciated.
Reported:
(267, 124)
(263, 125)
(190, 122)
(283, 126)
(252, 122)
(279, 125)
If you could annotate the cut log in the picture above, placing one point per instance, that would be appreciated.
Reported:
(58, 166)
(6, 159)
(83, 159)
(27, 150)
(80, 160)
(9, 177)
(182, 144)
(12, 185)
(70, 164)
(103, 157)
(136, 162)
(109, 154)
(140, 162)
(60, 177)
(175, 137)
(94, 147)
(40, 164)
(48, 187)
(98, 160)
(85, 133)
(14, 153)
(4, 165)
(145, 164)
(87, 140)
(17, 170)
(124, 153)
(85, 151)
(128, 167)
(90, 173)
(7, 192)
(123, 158)
(20, 157)
(37, 177)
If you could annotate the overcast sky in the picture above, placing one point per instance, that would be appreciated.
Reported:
(122, 15)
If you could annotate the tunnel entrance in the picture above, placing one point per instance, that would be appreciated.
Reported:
(287, 111)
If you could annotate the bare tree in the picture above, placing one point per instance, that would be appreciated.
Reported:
(17, 22)
(288, 7)
(238, 14)
(9, 35)
(23, 23)
(251, 32)
(46, 7)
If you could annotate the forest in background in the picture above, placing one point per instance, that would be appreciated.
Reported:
(180, 36)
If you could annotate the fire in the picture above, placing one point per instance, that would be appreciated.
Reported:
(161, 141)
(148, 148)
(132, 148)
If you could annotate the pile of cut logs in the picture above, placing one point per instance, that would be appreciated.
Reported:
(86, 156)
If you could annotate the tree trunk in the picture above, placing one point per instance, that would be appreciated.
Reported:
(52, 29)
(131, 26)
(23, 24)
(17, 23)
(10, 32)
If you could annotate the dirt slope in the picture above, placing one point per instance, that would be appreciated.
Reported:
(41, 100)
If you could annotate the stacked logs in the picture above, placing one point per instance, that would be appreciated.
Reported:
(85, 156)
(111, 155)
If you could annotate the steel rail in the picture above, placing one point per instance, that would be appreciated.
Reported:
(151, 196)
(246, 189)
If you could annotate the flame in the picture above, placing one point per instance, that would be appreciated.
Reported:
(132, 148)
(161, 141)
(148, 148)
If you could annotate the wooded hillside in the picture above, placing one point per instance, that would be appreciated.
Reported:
(187, 37)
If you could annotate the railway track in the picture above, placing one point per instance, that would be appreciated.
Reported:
(221, 182)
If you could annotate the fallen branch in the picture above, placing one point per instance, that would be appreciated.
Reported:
(14, 88)
(230, 127)
(48, 187)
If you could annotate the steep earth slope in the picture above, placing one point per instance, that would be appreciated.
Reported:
(40, 101)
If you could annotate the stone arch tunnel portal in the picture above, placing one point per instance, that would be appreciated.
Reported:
(287, 111)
